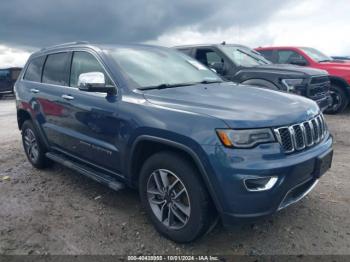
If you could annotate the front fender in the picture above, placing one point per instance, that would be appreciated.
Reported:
(194, 150)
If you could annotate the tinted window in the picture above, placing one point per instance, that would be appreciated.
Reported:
(268, 54)
(208, 57)
(34, 69)
(56, 69)
(286, 56)
(4, 74)
(84, 62)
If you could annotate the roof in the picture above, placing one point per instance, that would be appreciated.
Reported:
(279, 47)
(85, 44)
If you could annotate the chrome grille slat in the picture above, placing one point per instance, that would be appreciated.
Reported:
(319, 120)
(316, 130)
(302, 135)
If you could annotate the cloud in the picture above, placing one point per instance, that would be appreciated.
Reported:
(316, 23)
(12, 57)
(29, 25)
(40, 22)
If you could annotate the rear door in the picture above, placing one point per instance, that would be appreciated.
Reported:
(55, 79)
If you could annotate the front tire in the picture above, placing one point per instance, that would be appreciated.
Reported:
(175, 198)
(340, 100)
(33, 146)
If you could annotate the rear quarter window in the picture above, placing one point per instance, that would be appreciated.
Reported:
(34, 69)
(56, 69)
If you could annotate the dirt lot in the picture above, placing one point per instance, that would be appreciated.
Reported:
(58, 211)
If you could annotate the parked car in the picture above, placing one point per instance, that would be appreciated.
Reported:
(8, 77)
(243, 65)
(154, 119)
(341, 58)
(339, 71)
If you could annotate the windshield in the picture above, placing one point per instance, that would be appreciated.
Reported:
(316, 55)
(152, 67)
(243, 56)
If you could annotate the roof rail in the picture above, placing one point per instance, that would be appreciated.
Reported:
(64, 44)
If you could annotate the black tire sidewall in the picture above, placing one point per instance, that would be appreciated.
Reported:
(344, 100)
(200, 210)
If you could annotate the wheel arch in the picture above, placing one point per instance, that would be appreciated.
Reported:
(145, 145)
(341, 83)
(22, 116)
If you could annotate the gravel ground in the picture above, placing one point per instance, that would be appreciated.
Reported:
(57, 211)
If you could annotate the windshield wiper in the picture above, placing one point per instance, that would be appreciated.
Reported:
(210, 81)
(325, 60)
(165, 85)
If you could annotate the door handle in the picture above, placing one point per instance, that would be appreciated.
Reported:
(67, 97)
(35, 91)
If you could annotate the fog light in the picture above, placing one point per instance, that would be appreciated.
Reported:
(260, 184)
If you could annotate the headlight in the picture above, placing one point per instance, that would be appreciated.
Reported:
(290, 84)
(245, 138)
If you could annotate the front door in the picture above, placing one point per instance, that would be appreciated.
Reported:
(91, 120)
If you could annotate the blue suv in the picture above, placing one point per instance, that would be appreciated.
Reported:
(151, 118)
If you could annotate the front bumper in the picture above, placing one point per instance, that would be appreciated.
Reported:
(324, 102)
(231, 167)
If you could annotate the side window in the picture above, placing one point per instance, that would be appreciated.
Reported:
(213, 57)
(268, 54)
(208, 57)
(286, 56)
(56, 69)
(34, 69)
(84, 62)
(4, 74)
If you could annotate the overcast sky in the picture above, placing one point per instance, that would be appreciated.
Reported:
(26, 25)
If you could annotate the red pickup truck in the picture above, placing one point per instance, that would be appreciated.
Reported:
(338, 70)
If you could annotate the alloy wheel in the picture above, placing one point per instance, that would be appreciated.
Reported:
(336, 100)
(168, 198)
(31, 145)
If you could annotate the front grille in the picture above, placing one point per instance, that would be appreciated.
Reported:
(319, 87)
(300, 136)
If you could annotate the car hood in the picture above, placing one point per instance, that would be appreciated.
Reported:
(289, 70)
(239, 106)
(336, 65)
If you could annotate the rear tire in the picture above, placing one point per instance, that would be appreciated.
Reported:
(180, 217)
(340, 100)
(33, 146)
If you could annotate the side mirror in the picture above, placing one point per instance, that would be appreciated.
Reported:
(218, 67)
(94, 82)
(297, 61)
